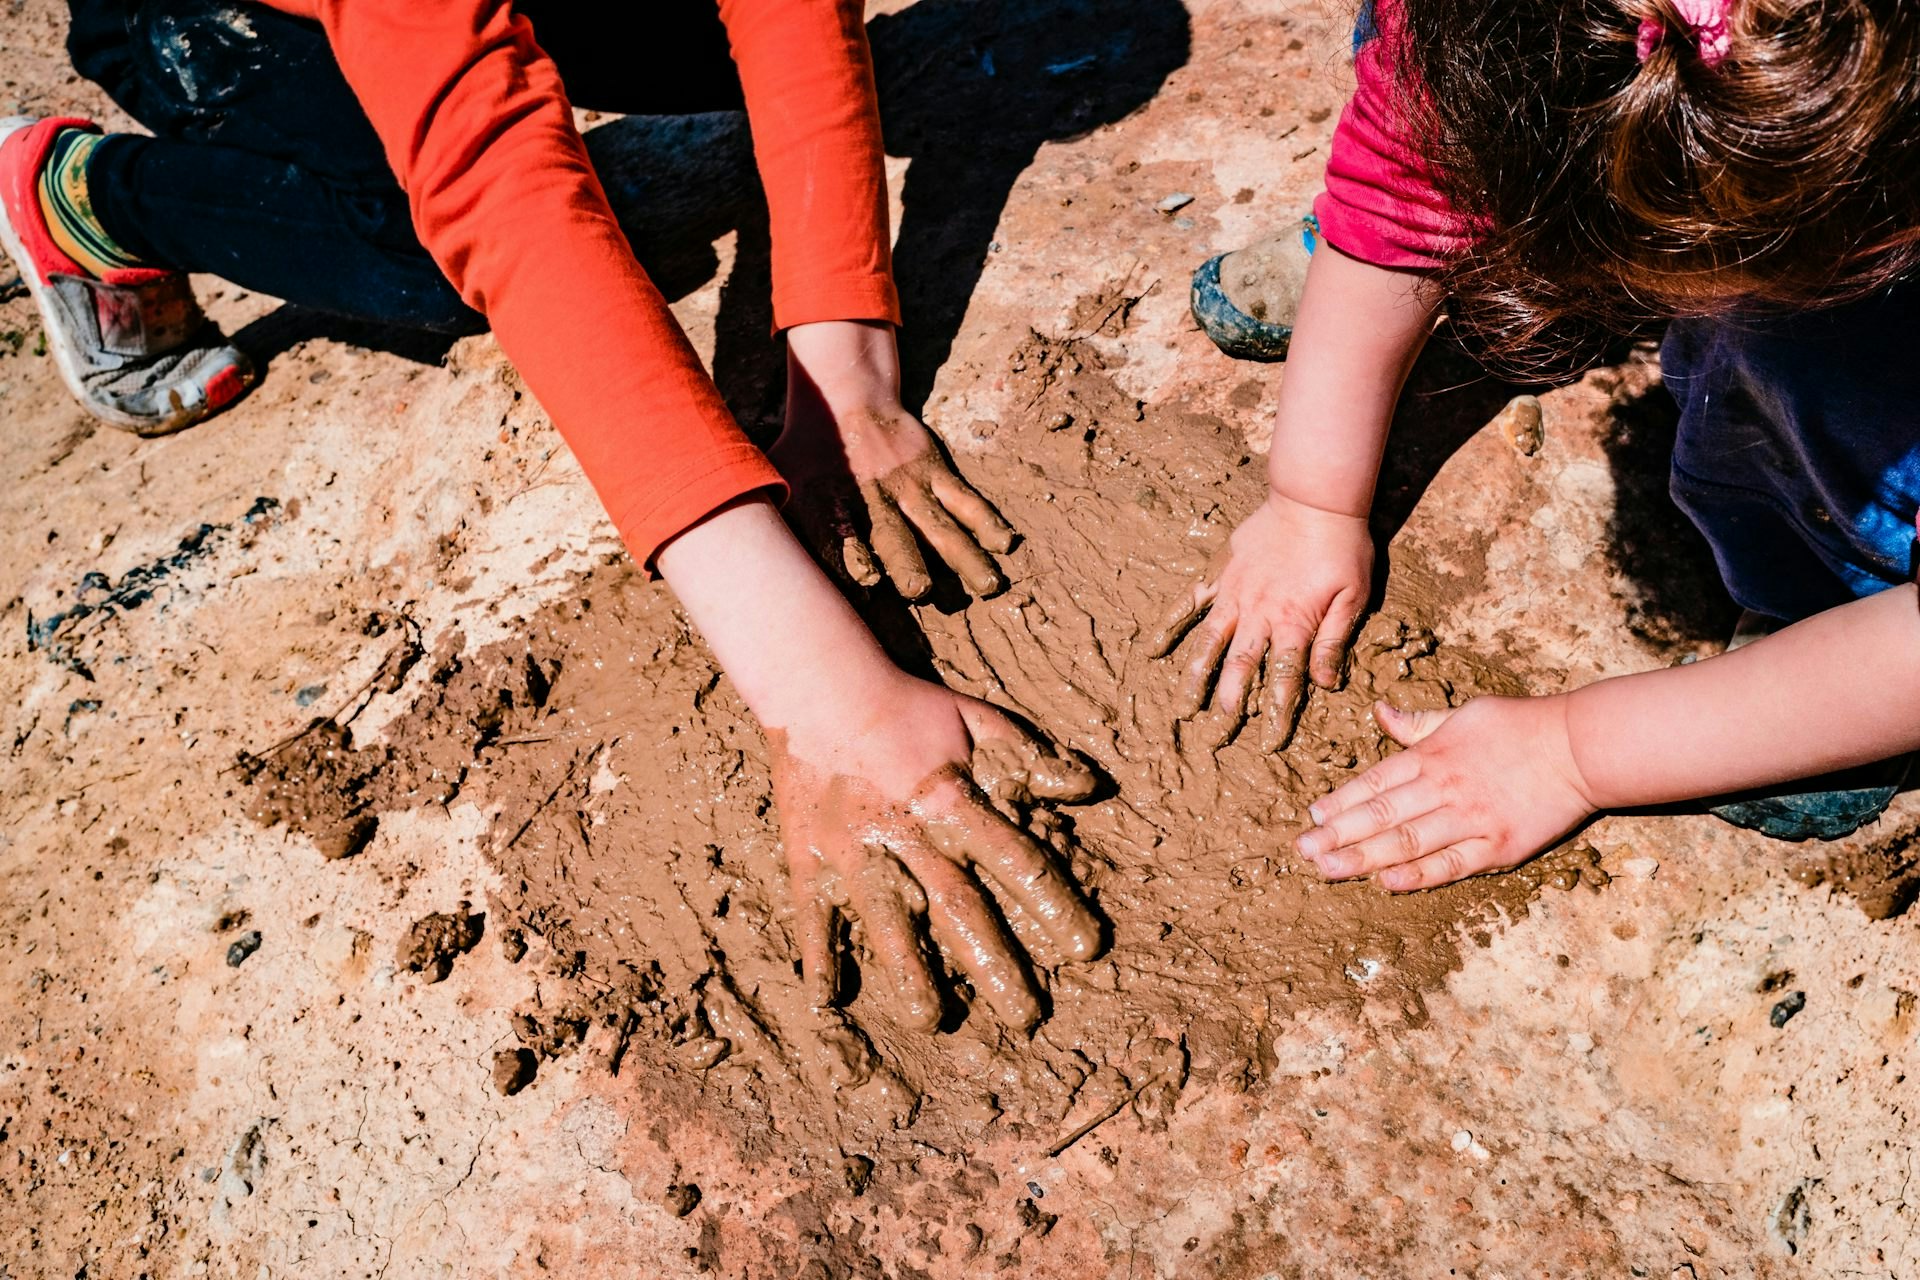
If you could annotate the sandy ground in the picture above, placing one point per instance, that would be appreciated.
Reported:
(1668, 1049)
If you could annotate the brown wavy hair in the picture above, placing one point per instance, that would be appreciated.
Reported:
(1606, 194)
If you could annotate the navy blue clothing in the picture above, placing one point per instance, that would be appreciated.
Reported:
(1799, 449)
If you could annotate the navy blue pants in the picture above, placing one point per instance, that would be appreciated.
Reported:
(264, 170)
(1799, 449)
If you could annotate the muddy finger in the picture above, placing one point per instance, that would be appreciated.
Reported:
(857, 556)
(952, 543)
(972, 510)
(1179, 619)
(1331, 641)
(1192, 694)
(813, 931)
(1007, 748)
(1456, 862)
(1396, 770)
(1026, 874)
(880, 896)
(963, 923)
(894, 544)
(1403, 842)
(1239, 671)
(1284, 695)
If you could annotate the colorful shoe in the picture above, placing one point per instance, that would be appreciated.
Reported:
(1824, 808)
(134, 346)
(1246, 300)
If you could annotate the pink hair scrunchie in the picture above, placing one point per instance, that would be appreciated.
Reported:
(1705, 21)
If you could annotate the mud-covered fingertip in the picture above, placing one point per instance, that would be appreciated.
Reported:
(1061, 777)
(1083, 945)
(988, 585)
(913, 586)
(920, 1013)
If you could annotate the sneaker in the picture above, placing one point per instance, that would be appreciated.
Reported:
(133, 346)
(1824, 808)
(1246, 300)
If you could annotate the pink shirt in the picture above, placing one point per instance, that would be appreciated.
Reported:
(1381, 204)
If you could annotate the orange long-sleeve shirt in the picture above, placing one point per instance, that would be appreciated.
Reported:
(478, 130)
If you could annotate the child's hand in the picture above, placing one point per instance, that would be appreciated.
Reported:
(1287, 590)
(885, 817)
(1480, 788)
(867, 476)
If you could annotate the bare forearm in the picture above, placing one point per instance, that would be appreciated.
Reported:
(785, 637)
(1839, 689)
(1358, 331)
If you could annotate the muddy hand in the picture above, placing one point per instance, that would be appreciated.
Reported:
(1481, 788)
(877, 468)
(907, 864)
(1277, 605)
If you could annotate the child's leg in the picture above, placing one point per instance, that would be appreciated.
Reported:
(1799, 460)
(263, 169)
(1798, 456)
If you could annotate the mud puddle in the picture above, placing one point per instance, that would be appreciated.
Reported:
(634, 832)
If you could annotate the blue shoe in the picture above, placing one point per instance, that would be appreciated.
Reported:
(1246, 300)
(1823, 808)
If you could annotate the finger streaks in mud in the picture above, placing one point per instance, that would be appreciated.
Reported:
(635, 837)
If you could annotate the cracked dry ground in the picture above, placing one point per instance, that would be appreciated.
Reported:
(487, 972)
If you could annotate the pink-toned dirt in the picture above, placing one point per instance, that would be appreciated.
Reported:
(389, 884)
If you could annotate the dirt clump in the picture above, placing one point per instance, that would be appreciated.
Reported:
(434, 942)
(514, 1070)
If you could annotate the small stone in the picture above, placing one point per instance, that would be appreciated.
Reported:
(681, 1198)
(1641, 868)
(1784, 1012)
(1178, 200)
(309, 695)
(1580, 1042)
(1059, 421)
(1519, 424)
(1479, 1152)
(858, 1171)
(249, 942)
(513, 1070)
(1462, 1140)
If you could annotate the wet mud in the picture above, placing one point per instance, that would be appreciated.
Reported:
(640, 852)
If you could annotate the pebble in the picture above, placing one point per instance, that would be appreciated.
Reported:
(245, 945)
(1580, 1042)
(1462, 1140)
(1520, 424)
(682, 1198)
(1641, 868)
(1784, 1011)
(1178, 200)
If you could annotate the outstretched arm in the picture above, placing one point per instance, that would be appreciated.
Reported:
(1492, 783)
(881, 778)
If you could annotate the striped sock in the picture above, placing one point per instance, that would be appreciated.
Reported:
(69, 209)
